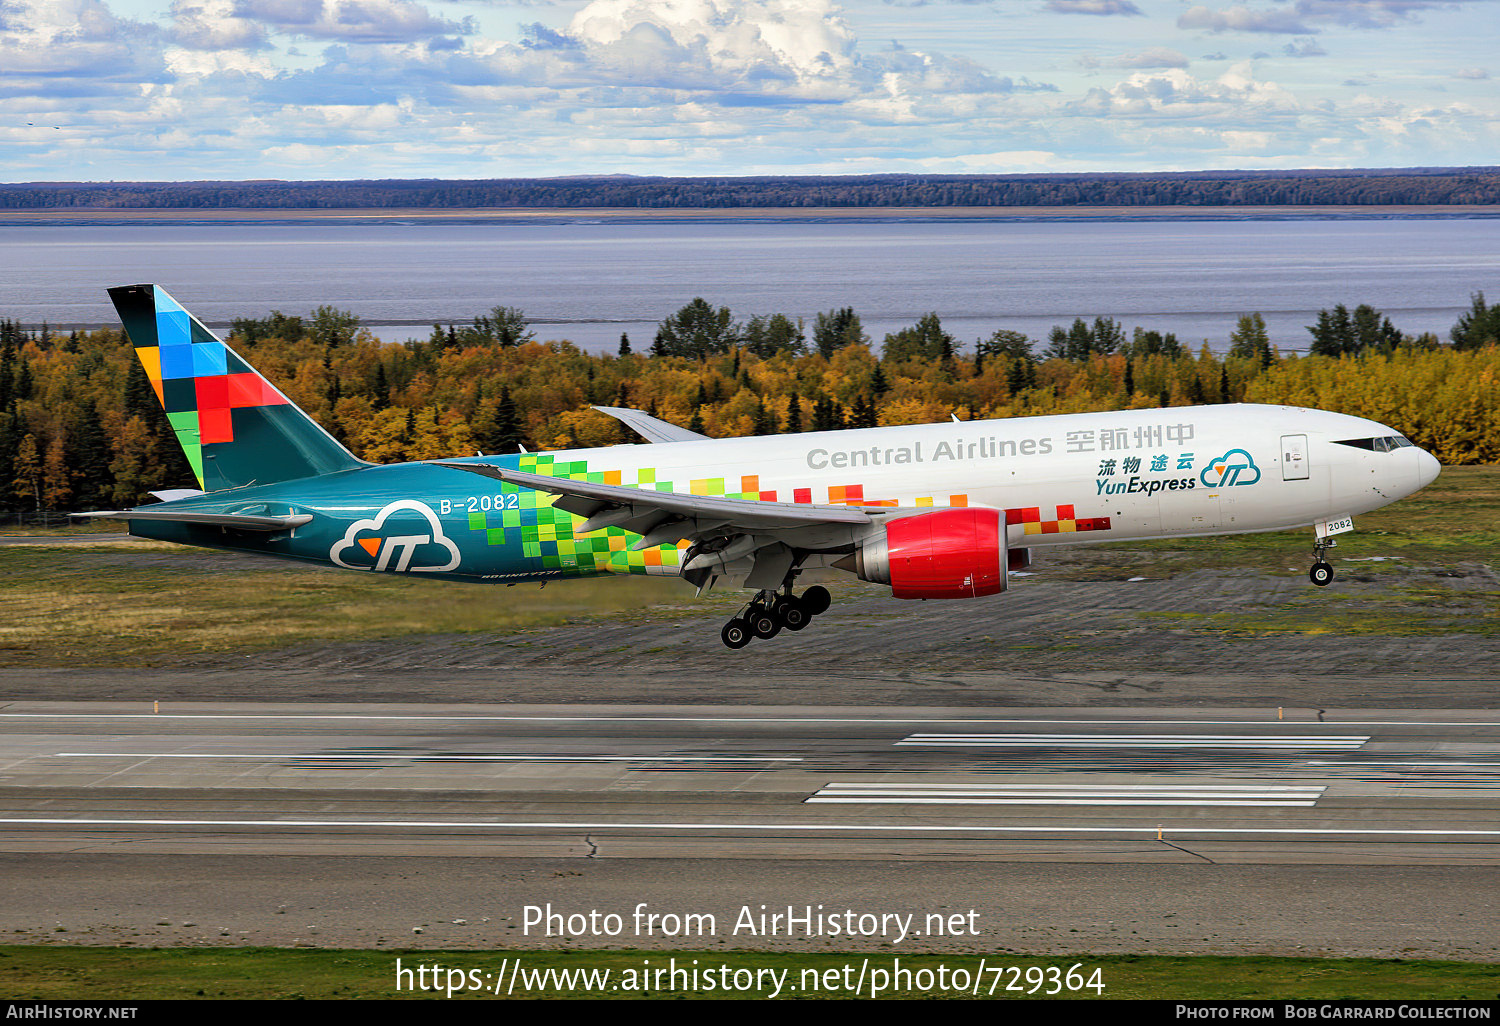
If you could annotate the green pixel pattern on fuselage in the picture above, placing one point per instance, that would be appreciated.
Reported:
(546, 533)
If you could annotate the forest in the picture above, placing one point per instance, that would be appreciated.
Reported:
(81, 428)
(1363, 187)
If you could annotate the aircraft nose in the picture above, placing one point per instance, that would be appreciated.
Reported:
(1428, 468)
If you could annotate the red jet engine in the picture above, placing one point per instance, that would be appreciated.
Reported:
(946, 554)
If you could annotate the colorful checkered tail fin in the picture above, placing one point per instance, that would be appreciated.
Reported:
(235, 427)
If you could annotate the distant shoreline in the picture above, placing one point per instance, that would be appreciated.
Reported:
(103, 217)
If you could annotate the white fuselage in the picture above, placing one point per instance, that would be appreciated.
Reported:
(1067, 479)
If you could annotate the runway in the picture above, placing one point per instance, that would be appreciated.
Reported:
(1147, 830)
(1381, 787)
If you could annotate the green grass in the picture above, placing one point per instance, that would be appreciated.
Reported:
(82, 605)
(57, 973)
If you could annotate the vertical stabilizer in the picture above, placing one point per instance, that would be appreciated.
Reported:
(235, 427)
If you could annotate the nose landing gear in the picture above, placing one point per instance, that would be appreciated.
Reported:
(769, 612)
(1321, 573)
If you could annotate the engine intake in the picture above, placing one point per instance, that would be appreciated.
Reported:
(949, 553)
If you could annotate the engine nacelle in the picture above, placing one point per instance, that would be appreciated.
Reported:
(949, 553)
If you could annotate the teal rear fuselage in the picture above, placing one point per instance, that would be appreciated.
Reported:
(420, 518)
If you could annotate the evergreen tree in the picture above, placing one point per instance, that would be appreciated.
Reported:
(767, 336)
(1016, 378)
(863, 414)
(1153, 343)
(10, 440)
(624, 344)
(140, 397)
(380, 391)
(503, 326)
(1249, 339)
(827, 415)
(7, 375)
(332, 327)
(763, 421)
(925, 340)
(87, 454)
(506, 435)
(1480, 326)
(794, 415)
(1005, 343)
(1333, 335)
(836, 329)
(697, 330)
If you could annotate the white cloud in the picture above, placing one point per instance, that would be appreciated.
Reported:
(72, 48)
(1175, 92)
(351, 21)
(1095, 7)
(1244, 19)
(215, 25)
(405, 89)
(1153, 57)
(1297, 18)
(1304, 48)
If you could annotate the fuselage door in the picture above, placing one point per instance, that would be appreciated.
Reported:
(1294, 457)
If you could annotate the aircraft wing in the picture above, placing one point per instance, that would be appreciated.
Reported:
(652, 429)
(240, 521)
(728, 529)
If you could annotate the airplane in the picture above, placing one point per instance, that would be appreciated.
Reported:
(934, 511)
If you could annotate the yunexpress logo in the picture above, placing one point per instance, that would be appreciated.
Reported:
(1235, 467)
(395, 549)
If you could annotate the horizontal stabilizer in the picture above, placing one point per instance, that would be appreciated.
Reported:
(239, 521)
(652, 429)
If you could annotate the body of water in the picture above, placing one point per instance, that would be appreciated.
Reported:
(588, 282)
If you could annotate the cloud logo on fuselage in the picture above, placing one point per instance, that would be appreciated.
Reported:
(1235, 467)
(398, 549)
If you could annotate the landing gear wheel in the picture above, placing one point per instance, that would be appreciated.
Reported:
(736, 633)
(1321, 574)
(816, 599)
(793, 615)
(764, 623)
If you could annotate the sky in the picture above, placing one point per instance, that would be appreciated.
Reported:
(101, 90)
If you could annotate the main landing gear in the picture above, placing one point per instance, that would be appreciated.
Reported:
(769, 612)
(1321, 573)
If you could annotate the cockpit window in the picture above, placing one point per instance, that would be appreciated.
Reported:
(1384, 444)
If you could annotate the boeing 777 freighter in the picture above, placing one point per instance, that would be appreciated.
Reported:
(935, 511)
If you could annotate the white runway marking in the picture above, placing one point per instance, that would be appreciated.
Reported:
(1278, 741)
(1066, 794)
